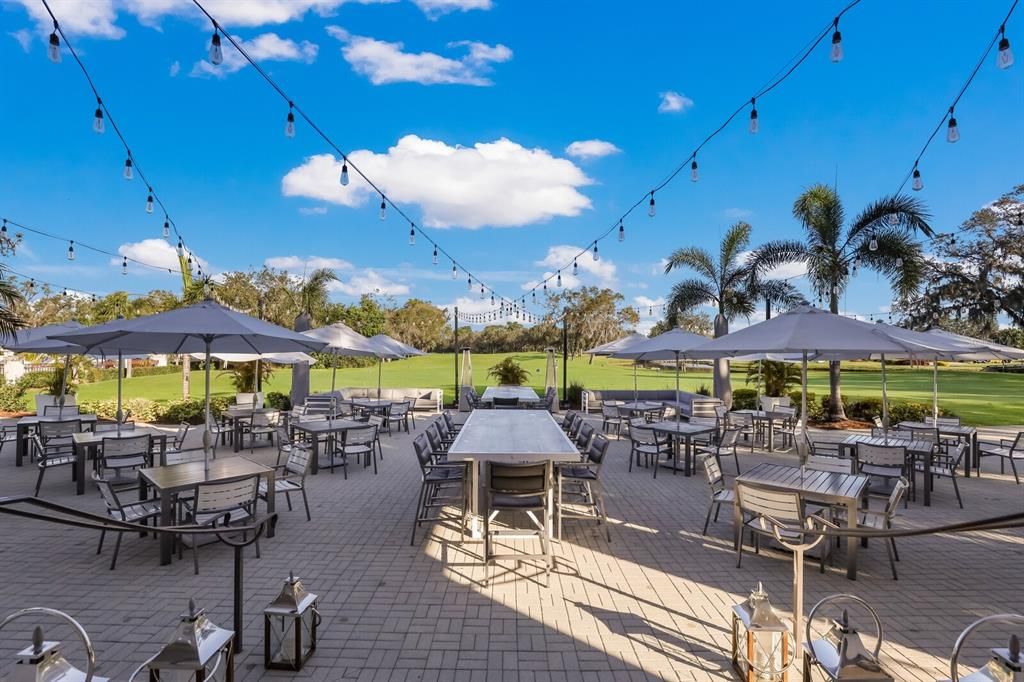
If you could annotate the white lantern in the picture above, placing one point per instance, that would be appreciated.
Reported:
(289, 627)
(765, 640)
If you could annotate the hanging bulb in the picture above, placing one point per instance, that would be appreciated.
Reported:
(1004, 57)
(753, 116)
(594, 254)
(71, 250)
(899, 262)
(694, 173)
(455, 273)
(149, 202)
(344, 174)
(216, 53)
(289, 124)
(965, 311)
(622, 232)
(3, 230)
(935, 314)
(434, 259)
(575, 270)
(167, 228)
(128, 173)
(952, 129)
(917, 184)
(64, 292)
(469, 283)
(651, 211)
(180, 249)
(124, 265)
(53, 50)
(189, 262)
(650, 312)
(412, 235)
(835, 288)
(482, 294)
(873, 244)
(492, 299)
(559, 280)
(534, 296)
(836, 55)
(97, 120)
(545, 287)
(383, 208)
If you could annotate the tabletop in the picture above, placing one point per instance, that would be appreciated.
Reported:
(327, 425)
(958, 429)
(242, 411)
(37, 418)
(911, 445)
(371, 402)
(823, 485)
(529, 433)
(96, 437)
(684, 428)
(523, 393)
(641, 405)
(187, 475)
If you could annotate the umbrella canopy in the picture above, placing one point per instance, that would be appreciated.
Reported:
(669, 345)
(617, 345)
(277, 358)
(37, 340)
(393, 345)
(989, 350)
(340, 339)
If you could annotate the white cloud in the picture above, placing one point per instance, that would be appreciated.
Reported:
(298, 264)
(500, 183)
(737, 213)
(602, 271)
(24, 38)
(470, 306)
(435, 8)
(673, 102)
(313, 210)
(386, 62)
(264, 47)
(591, 149)
(175, 69)
(369, 281)
(93, 18)
(659, 267)
(156, 252)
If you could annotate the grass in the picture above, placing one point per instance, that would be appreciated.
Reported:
(980, 398)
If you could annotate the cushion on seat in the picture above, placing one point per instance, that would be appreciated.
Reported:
(500, 501)
(578, 472)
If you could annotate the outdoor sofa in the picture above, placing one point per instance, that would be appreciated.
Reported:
(691, 404)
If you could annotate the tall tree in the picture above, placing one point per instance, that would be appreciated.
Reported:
(10, 299)
(882, 237)
(419, 323)
(593, 316)
(721, 282)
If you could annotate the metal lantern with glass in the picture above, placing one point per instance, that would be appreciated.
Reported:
(42, 661)
(839, 653)
(765, 639)
(199, 651)
(289, 627)
(1005, 665)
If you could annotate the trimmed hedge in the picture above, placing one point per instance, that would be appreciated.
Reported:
(278, 401)
(744, 399)
(145, 410)
(111, 374)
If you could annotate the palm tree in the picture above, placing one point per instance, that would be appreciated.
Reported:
(722, 283)
(881, 237)
(313, 297)
(10, 297)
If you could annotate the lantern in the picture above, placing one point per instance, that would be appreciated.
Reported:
(199, 651)
(43, 661)
(765, 654)
(1006, 665)
(289, 627)
(839, 653)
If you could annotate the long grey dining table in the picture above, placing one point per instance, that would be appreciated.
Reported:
(323, 428)
(523, 394)
(681, 431)
(511, 437)
(27, 424)
(817, 486)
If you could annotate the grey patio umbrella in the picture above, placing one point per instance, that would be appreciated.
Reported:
(204, 327)
(667, 346)
(392, 345)
(340, 339)
(622, 345)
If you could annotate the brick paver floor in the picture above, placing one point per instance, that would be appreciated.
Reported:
(653, 603)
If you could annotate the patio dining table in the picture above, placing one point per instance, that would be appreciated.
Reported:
(768, 418)
(327, 428)
(523, 394)
(88, 444)
(967, 433)
(237, 416)
(375, 405)
(178, 478)
(817, 486)
(682, 431)
(642, 407)
(918, 448)
(27, 424)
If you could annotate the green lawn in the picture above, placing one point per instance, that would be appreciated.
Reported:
(979, 398)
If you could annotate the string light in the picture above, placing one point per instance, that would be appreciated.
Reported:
(344, 173)
(289, 123)
(651, 210)
(71, 250)
(1004, 56)
(952, 129)
(694, 173)
(622, 232)
(595, 254)
(917, 185)
(482, 294)
(97, 119)
(492, 299)
(575, 270)
(455, 272)
(412, 235)
(559, 279)
(216, 52)
(149, 201)
(167, 229)
(899, 261)
(434, 259)
(53, 49)
(836, 53)
(180, 248)
(754, 126)
(873, 244)
(124, 265)
(128, 173)
(383, 208)
(469, 283)
(3, 230)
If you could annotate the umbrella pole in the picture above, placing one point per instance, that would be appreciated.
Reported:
(206, 434)
(935, 390)
(678, 410)
(334, 370)
(757, 388)
(803, 399)
(885, 401)
(119, 415)
(256, 381)
(63, 387)
(634, 381)
(380, 364)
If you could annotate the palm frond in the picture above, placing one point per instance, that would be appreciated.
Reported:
(736, 239)
(897, 212)
(821, 213)
(697, 259)
(10, 298)
(690, 293)
(898, 258)
(774, 254)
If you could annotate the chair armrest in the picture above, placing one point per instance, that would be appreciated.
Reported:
(1007, 442)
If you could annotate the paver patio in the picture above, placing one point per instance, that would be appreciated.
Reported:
(652, 604)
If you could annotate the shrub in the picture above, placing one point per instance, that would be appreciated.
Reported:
(191, 410)
(12, 397)
(508, 372)
(1008, 369)
(277, 400)
(137, 409)
(575, 394)
(111, 374)
(744, 399)
(703, 389)
(815, 412)
(40, 379)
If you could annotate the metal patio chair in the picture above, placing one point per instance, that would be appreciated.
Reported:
(437, 481)
(1007, 450)
(291, 477)
(219, 504)
(775, 514)
(582, 482)
(720, 494)
(523, 489)
(131, 512)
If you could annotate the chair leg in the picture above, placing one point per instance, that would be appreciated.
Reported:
(39, 480)
(739, 550)
(1013, 466)
(195, 556)
(305, 502)
(103, 534)
(895, 552)
(956, 489)
(707, 519)
(416, 515)
(288, 499)
(892, 559)
(117, 548)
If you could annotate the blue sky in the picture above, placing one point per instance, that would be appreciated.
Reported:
(464, 111)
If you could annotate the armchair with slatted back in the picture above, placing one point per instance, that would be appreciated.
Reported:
(581, 484)
(398, 415)
(518, 489)
(611, 418)
(49, 457)
(720, 494)
(725, 446)
(125, 454)
(584, 436)
(879, 519)
(647, 443)
(262, 424)
(744, 423)
(357, 442)
(883, 464)
(291, 477)
(945, 462)
(58, 411)
(132, 512)
(1007, 450)
(218, 504)
(778, 514)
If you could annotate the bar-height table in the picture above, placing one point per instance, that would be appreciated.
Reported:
(685, 432)
(87, 446)
(323, 427)
(508, 437)
(818, 486)
(177, 478)
(523, 394)
(25, 424)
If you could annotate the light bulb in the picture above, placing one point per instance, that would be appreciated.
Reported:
(412, 236)
(1004, 57)
(482, 295)
(835, 288)
(289, 124)
(534, 296)
(180, 249)
(559, 280)
(935, 314)
(575, 269)
(594, 254)
(917, 185)
(952, 129)
(124, 266)
(650, 312)
(344, 173)
(97, 122)
(492, 299)
(545, 287)
(383, 209)
(167, 229)
(753, 117)
(149, 204)
(873, 244)
(434, 259)
(3, 230)
(455, 273)
(53, 50)
(836, 55)
(469, 283)
(899, 261)
(128, 173)
(965, 311)
(71, 251)
(694, 173)
(651, 211)
(216, 53)
(622, 232)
